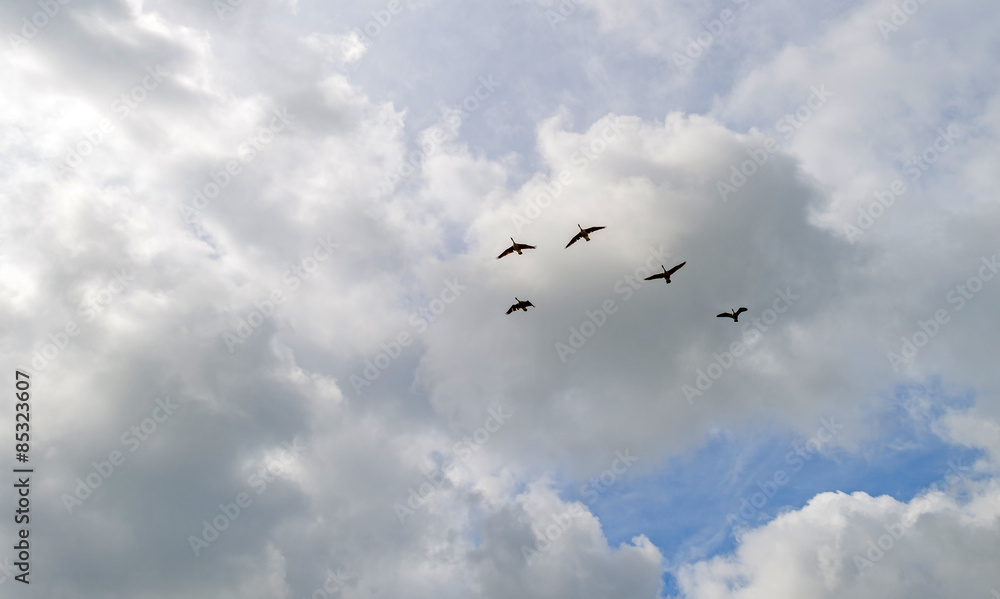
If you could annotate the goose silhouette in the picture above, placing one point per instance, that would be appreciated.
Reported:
(520, 305)
(735, 314)
(665, 275)
(517, 247)
(583, 234)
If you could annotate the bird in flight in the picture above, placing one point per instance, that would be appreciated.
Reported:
(520, 305)
(583, 234)
(665, 275)
(735, 314)
(517, 247)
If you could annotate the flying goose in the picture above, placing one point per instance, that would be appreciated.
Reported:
(520, 305)
(517, 247)
(665, 275)
(735, 314)
(583, 234)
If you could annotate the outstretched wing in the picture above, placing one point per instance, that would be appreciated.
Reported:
(527, 247)
(511, 309)
(656, 276)
(526, 304)
(576, 238)
(507, 251)
(592, 229)
(724, 315)
(741, 311)
(676, 268)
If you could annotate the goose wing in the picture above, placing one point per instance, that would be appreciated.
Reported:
(525, 246)
(511, 309)
(656, 276)
(509, 250)
(725, 315)
(676, 268)
(576, 238)
(592, 229)
(525, 305)
(741, 311)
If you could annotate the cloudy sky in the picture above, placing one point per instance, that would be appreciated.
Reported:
(248, 254)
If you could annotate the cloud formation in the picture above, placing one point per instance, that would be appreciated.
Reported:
(249, 261)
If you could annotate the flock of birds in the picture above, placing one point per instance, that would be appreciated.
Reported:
(584, 234)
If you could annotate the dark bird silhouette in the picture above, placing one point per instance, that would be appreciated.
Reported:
(520, 305)
(665, 275)
(517, 247)
(735, 314)
(583, 234)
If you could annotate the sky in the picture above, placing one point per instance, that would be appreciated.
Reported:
(248, 266)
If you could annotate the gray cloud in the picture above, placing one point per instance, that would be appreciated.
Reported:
(828, 311)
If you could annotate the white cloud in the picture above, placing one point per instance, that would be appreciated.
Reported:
(209, 91)
(941, 542)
